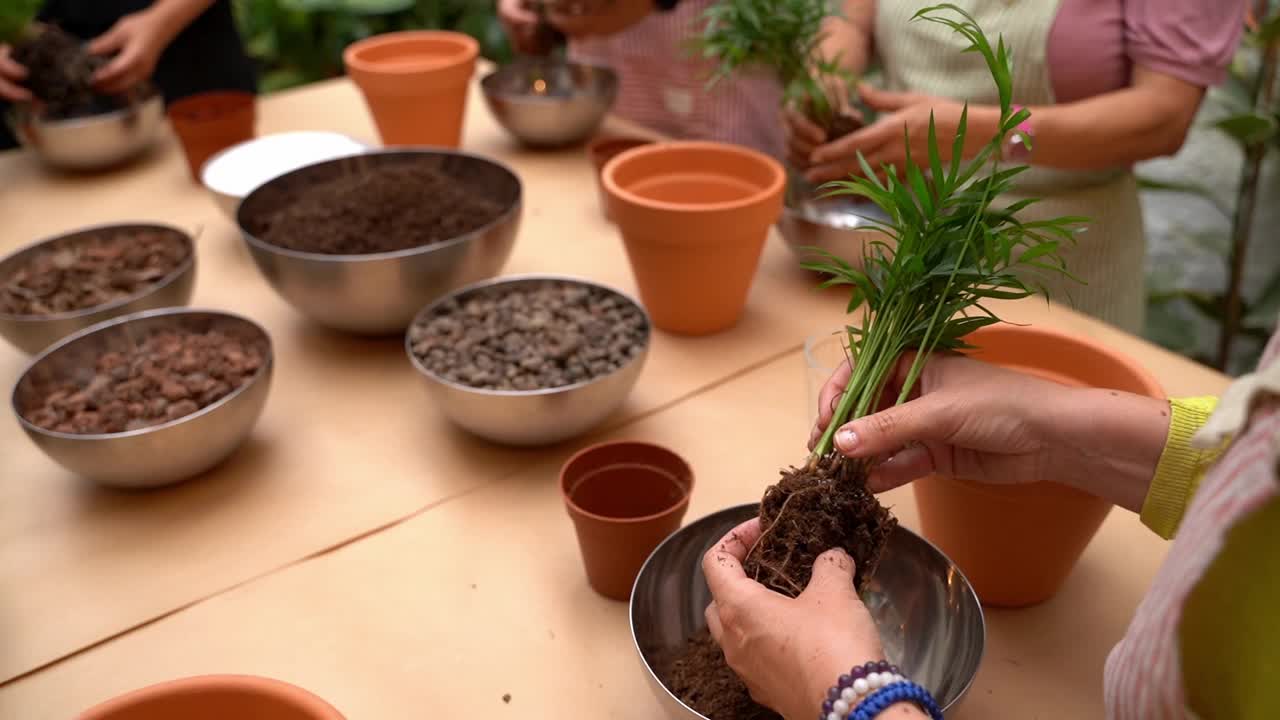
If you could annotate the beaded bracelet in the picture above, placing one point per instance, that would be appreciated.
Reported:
(850, 689)
(905, 691)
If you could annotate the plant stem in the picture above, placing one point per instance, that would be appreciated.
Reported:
(1247, 200)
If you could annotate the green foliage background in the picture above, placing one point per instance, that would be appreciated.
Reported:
(300, 41)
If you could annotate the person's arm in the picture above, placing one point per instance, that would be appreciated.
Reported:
(1148, 119)
(849, 37)
(137, 40)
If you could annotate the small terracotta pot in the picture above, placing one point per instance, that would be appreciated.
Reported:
(211, 122)
(215, 697)
(603, 149)
(1018, 543)
(694, 217)
(624, 499)
(415, 83)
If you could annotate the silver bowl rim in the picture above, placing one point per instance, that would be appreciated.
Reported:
(170, 278)
(152, 97)
(610, 75)
(502, 218)
(142, 315)
(512, 279)
(653, 675)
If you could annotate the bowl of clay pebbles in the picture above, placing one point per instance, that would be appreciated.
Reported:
(148, 399)
(65, 283)
(530, 360)
(361, 243)
(548, 103)
(930, 622)
(75, 127)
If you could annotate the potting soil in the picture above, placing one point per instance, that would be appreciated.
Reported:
(60, 73)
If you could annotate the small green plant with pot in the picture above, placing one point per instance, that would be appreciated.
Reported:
(923, 288)
(786, 37)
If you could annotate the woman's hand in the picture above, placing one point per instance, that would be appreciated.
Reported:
(882, 142)
(520, 22)
(12, 73)
(788, 652)
(135, 42)
(520, 19)
(975, 421)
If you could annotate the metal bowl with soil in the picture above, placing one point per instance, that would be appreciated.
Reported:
(65, 283)
(361, 243)
(928, 615)
(148, 399)
(530, 360)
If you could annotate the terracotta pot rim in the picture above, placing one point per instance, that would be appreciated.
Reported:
(178, 108)
(677, 506)
(300, 697)
(1152, 386)
(467, 49)
(775, 186)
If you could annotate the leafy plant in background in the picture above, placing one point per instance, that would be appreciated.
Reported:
(300, 41)
(786, 37)
(1252, 99)
(15, 16)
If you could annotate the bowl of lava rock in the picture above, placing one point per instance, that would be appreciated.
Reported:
(361, 243)
(530, 360)
(148, 399)
(66, 283)
(73, 127)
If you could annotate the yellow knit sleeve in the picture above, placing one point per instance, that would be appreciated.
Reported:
(1181, 466)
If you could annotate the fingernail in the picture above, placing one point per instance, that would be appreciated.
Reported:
(846, 440)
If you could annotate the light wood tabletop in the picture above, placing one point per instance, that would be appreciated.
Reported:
(360, 546)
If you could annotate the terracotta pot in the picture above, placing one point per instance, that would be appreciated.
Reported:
(624, 499)
(211, 122)
(1018, 543)
(415, 83)
(694, 217)
(215, 697)
(603, 149)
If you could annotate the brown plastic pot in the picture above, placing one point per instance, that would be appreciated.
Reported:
(694, 217)
(603, 149)
(208, 123)
(1018, 543)
(624, 499)
(415, 83)
(215, 697)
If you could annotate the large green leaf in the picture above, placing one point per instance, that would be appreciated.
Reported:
(1249, 128)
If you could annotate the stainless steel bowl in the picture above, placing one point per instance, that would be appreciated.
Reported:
(929, 618)
(96, 142)
(550, 103)
(531, 417)
(842, 226)
(379, 293)
(161, 454)
(33, 333)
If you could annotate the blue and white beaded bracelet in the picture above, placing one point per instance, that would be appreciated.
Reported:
(870, 688)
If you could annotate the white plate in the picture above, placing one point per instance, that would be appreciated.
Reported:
(237, 171)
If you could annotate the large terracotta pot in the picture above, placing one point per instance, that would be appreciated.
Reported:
(694, 217)
(215, 697)
(1018, 543)
(415, 83)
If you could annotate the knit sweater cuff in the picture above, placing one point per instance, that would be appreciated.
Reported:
(1181, 466)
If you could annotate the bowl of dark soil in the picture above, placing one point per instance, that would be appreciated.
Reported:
(929, 619)
(74, 127)
(530, 360)
(844, 226)
(148, 399)
(550, 103)
(66, 283)
(214, 697)
(362, 243)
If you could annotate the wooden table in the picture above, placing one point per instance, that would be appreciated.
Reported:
(360, 546)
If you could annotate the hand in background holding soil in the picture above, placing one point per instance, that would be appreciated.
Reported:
(134, 45)
(12, 75)
(788, 651)
(976, 421)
